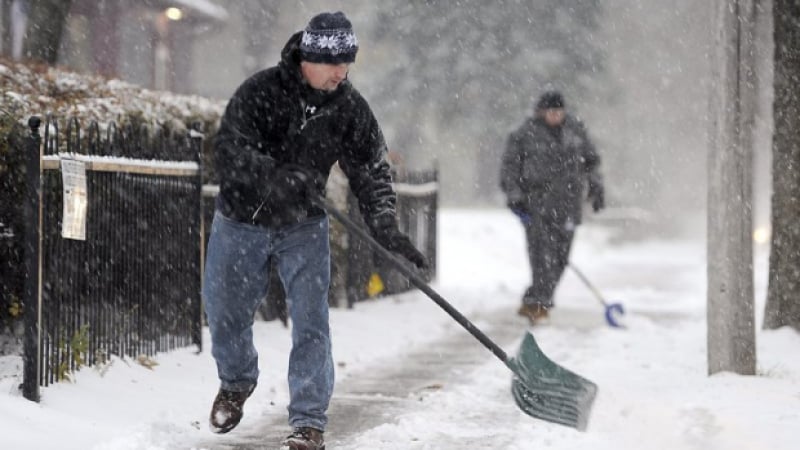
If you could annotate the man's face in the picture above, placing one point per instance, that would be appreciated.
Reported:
(325, 77)
(554, 117)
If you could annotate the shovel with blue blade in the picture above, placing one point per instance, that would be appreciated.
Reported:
(612, 310)
(540, 387)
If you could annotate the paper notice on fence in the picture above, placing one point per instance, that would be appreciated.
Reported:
(76, 200)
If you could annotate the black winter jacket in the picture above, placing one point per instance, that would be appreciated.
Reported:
(544, 169)
(274, 121)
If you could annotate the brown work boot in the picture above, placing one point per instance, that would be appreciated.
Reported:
(226, 412)
(535, 313)
(304, 438)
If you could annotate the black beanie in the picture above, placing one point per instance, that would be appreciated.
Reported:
(329, 39)
(550, 99)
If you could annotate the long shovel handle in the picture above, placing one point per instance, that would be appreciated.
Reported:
(588, 284)
(610, 308)
(415, 279)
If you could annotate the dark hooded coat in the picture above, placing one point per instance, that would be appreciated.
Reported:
(544, 169)
(275, 121)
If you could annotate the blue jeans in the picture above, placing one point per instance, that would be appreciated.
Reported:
(236, 281)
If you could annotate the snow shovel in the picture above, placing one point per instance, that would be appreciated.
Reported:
(541, 388)
(611, 308)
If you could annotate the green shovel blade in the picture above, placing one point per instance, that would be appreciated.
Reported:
(547, 391)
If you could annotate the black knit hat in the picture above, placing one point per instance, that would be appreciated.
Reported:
(329, 39)
(550, 99)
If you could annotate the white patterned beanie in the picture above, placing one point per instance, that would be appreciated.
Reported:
(329, 39)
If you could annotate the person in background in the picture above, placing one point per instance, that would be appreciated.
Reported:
(282, 131)
(546, 165)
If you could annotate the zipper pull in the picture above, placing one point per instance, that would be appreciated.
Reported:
(253, 219)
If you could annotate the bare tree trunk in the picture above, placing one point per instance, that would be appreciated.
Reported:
(6, 36)
(731, 328)
(783, 293)
(46, 22)
(105, 37)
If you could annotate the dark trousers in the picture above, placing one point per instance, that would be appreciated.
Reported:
(549, 244)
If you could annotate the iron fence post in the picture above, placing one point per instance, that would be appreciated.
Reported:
(196, 136)
(433, 212)
(33, 263)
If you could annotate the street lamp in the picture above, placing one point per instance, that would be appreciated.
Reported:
(173, 13)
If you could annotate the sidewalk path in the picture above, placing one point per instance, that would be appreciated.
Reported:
(376, 396)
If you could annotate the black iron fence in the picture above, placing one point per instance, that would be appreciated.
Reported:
(368, 275)
(113, 249)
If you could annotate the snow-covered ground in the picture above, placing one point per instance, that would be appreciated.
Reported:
(654, 389)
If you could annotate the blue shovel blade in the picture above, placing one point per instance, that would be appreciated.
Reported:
(612, 310)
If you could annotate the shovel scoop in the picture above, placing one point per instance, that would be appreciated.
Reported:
(547, 391)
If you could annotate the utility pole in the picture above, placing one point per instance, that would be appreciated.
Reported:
(783, 293)
(730, 303)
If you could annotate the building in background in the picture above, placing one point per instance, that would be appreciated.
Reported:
(148, 42)
(151, 43)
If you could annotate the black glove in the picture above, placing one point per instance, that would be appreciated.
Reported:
(596, 193)
(293, 182)
(390, 237)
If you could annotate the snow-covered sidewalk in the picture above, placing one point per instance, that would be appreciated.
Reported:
(654, 390)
